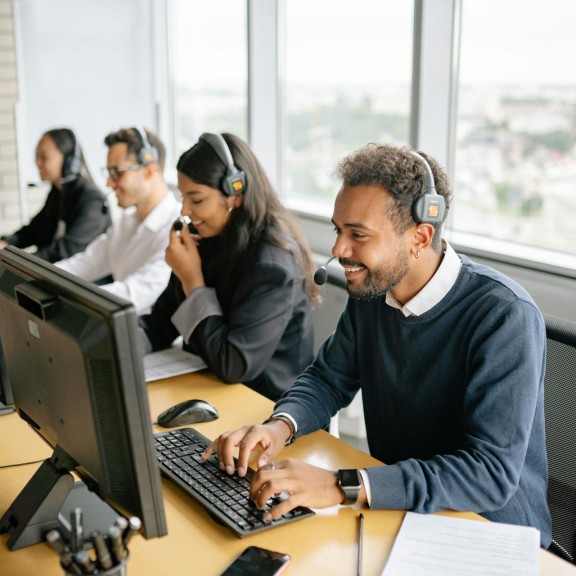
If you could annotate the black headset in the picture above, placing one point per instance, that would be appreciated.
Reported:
(430, 206)
(72, 164)
(147, 154)
(234, 181)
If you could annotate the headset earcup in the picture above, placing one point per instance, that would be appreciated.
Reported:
(71, 165)
(147, 155)
(429, 208)
(234, 184)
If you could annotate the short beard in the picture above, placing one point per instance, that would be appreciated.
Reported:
(381, 280)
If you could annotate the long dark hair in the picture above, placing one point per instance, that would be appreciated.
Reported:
(67, 144)
(261, 215)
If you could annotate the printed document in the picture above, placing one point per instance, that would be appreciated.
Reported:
(441, 545)
(170, 362)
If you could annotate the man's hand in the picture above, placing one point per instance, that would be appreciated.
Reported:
(267, 438)
(304, 485)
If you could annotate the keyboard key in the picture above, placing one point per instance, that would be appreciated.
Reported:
(225, 497)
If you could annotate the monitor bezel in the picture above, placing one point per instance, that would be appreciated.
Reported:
(121, 317)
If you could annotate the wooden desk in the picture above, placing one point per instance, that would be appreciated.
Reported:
(325, 544)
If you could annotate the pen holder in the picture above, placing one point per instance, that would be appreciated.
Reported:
(118, 570)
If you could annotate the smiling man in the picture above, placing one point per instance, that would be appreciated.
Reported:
(449, 355)
(128, 260)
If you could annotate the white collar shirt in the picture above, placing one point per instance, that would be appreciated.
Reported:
(436, 289)
(133, 253)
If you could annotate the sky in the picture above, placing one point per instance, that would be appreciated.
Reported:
(503, 41)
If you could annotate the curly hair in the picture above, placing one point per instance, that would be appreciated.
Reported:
(401, 174)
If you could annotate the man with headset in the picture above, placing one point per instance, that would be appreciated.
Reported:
(128, 260)
(449, 355)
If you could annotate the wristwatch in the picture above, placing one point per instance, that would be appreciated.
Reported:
(350, 483)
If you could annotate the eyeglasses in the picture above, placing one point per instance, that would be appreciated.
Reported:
(115, 172)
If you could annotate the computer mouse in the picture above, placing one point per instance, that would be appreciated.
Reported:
(187, 412)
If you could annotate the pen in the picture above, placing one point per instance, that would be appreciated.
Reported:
(134, 525)
(76, 530)
(55, 540)
(118, 549)
(84, 561)
(360, 543)
(122, 523)
(66, 560)
(102, 552)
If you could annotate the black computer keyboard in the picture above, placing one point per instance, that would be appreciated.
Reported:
(225, 497)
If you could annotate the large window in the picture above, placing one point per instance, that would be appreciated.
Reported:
(209, 48)
(347, 73)
(515, 160)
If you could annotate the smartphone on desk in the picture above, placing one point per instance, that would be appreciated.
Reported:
(255, 561)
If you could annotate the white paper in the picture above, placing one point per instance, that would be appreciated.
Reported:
(170, 362)
(440, 545)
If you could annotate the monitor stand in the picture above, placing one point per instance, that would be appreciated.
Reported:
(7, 409)
(47, 501)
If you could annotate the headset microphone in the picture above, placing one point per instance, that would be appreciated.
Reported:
(321, 275)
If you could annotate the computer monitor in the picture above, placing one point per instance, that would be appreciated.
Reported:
(74, 361)
(6, 399)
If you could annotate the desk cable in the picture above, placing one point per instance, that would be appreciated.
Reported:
(21, 463)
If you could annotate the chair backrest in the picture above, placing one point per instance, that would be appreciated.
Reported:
(560, 414)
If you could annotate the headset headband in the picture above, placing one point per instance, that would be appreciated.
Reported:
(234, 182)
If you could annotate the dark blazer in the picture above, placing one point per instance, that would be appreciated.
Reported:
(82, 206)
(264, 336)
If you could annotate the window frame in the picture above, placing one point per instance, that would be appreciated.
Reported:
(436, 41)
(437, 29)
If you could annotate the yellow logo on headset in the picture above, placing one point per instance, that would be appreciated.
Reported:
(433, 211)
(238, 186)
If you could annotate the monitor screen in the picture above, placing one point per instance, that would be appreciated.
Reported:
(74, 363)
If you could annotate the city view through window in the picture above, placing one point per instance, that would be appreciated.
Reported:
(209, 61)
(346, 72)
(515, 153)
(348, 68)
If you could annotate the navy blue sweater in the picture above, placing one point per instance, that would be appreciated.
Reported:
(453, 399)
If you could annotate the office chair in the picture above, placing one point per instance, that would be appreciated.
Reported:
(325, 317)
(560, 414)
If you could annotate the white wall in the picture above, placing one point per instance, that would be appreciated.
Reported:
(86, 65)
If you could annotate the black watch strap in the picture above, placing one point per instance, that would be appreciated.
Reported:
(350, 483)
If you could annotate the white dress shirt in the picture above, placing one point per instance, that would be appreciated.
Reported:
(133, 252)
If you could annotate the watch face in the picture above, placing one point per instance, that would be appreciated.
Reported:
(349, 477)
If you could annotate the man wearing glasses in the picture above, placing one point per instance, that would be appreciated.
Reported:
(128, 260)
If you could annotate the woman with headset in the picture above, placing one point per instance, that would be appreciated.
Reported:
(75, 211)
(242, 290)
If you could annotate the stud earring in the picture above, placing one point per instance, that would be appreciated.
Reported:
(417, 255)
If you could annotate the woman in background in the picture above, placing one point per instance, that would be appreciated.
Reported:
(75, 211)
(241, 292)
